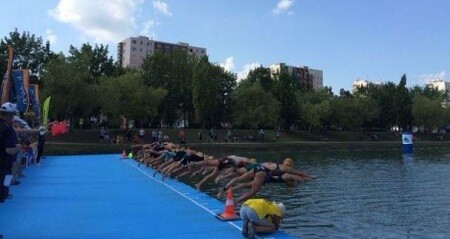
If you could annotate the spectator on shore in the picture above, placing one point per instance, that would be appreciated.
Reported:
(166, 138)
(277, 135)
(81, 122)
(103, 134)
(212, 134)
(141, 134)
(154, 135)
(181, 136)
(200, 136)
(261, 135)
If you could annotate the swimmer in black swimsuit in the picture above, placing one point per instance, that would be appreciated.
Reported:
(219, 164)
(269, 173)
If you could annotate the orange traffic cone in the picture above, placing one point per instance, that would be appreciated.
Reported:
(123, 155)
(229, 214)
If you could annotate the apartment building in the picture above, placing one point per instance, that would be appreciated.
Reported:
(441, 85)
(304, 75)
(132, 51)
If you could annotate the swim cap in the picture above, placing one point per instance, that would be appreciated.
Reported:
(282, 208)
(288, 162)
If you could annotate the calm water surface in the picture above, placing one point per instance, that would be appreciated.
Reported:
(360, 194)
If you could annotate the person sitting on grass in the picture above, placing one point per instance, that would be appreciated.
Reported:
(261, 216)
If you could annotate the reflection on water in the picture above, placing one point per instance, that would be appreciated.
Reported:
(360, 194)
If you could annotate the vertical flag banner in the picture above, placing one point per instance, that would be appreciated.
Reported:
(33, 92)
(26, 84)
(45, 108)
(6, 84)
(21, 93)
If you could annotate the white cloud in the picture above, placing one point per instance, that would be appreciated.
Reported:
(229, 64)
(149, 28)
(246, 69)
(425, 78)
(50, 36)
(283, 6)
(103, 20)
(162, 7)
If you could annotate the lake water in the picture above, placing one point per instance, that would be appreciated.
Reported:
(361, 194)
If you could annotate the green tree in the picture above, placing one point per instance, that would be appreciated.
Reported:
(205, 90)
(429, 92)
(72, 96)
(93, 62)
(428, 113)
(172, 72)
(404, 104)
(128, 95)
(227, 83)
(284, 90)
(262, 76)
(344, 113)
(315, 107)
(254, 106)
(30, 51)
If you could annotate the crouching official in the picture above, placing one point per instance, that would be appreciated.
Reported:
(261, 216)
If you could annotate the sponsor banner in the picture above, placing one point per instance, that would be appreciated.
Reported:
(33, 92)
(21, 93)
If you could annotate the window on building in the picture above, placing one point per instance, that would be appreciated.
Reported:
(134, 41)
(148, 43)
(191, 50)
(133, 49)
(141, 42)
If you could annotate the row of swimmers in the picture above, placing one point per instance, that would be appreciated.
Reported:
(170, 160)
(259, 215)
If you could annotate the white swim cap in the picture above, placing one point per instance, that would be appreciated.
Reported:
(282, 208)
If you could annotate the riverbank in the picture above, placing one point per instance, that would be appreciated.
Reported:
(70, 148)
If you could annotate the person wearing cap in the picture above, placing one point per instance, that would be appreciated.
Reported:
(8, 147)
(261, 216)
(41, 144)
(23, 131)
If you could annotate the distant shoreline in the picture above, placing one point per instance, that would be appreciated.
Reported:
(70, 148)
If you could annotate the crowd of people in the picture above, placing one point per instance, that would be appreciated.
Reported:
(230, 171)
(18, 148)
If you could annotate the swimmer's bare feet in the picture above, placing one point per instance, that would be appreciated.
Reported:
(217, 180)
(220, 194)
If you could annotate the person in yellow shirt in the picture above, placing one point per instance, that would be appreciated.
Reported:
(261, 216)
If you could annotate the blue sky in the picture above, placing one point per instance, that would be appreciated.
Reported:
(378, 40)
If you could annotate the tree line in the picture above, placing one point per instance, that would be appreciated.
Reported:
(176, 87)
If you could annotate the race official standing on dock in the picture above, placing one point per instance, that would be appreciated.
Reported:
(8, 147)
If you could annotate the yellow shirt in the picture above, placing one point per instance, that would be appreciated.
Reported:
(263, 207)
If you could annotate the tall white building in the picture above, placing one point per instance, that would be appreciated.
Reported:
(441, 85)
(132, 51)
(305, 75)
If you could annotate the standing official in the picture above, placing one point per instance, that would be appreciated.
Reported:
(8, 147)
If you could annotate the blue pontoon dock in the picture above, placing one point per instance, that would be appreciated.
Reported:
(102, 196)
